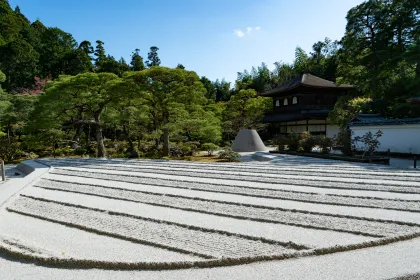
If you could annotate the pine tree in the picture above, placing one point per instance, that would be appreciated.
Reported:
(99, 53)
(153, 57)
(137, 63)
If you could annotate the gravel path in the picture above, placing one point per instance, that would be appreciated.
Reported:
(67, 242)
(307, 181)
(343, 200)
(284, 204)
(283, 233)
(154, 233)
(143, 179)
(186, 211)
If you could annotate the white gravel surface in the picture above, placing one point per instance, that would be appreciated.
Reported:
(282, 233)
(312, 197)
(145, 178)
(325, 181)
(63, 241)
(169, 211)
(376, 263)
(246, 212)
(286, 204)
(172, 236)
(132, 175)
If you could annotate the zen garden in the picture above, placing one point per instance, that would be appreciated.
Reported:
(135, 168)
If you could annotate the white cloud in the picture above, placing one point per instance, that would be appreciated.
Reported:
(249, 30)
(238, 33)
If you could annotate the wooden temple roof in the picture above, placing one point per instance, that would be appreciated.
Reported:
(308, 81)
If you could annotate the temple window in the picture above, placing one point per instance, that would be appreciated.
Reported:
(294, 100)
(285, 102)
(277, 103)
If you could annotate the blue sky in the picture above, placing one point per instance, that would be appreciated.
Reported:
(215, 38)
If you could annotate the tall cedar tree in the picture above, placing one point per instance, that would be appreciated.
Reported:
(153, 57)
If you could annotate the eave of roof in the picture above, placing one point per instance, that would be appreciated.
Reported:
(305, 80)
(413, 100)
(382, 121)
(367, 118)
(304, 114)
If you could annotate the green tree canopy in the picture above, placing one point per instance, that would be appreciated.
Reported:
(80, 99)
(169, 94)
(153, 57)
(244, 111)
(99, 53)
(137, 63)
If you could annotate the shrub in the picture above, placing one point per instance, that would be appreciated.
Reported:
(80, 151)
(306, 141)
(370, 142)
(293, 142)
(184, 149)
(146, 147)
(325, 144)
(10, 150)
(281, 141)
(64, 151)
(31, 155)
(343, 140)
(175, 150)
(210, 148)
(228, 154)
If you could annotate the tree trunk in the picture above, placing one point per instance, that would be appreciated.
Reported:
(8, 135)
(99, 138)
(138, 143)
(88, 140)
(165, 142)
(77, 136)
(165, 137)
(131, 149)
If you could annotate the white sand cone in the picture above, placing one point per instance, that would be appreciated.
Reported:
(248, 140)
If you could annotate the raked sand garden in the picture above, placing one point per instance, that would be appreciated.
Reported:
(154, 216)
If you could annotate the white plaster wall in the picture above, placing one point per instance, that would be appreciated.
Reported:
(332, 130)
(396, 138)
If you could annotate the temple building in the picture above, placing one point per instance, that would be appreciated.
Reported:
(303, 104)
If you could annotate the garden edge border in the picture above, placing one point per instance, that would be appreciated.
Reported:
(33, 170)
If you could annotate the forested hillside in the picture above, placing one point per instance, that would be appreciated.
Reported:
(60, 96)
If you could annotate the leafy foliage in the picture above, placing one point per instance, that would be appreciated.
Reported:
(244, 111)
(137, 63)
(347, 107)
(306, 141)
(228, 154)
(153, 57)
(170, 96)
(370, 142)
(59, 91)
(210, 148)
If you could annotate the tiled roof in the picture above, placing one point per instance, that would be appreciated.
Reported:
(305, 80)
(376, 119)
(413, 100)
(367, 118)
